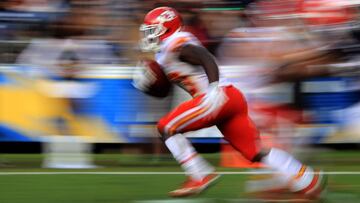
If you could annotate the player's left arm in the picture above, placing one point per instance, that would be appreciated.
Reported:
(198, 55)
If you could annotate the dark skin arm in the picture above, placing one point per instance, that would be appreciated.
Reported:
(198, 55)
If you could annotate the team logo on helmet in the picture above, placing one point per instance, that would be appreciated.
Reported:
(166, 16)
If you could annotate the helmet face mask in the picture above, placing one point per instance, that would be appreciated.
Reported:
(159, 24)
(150, 36)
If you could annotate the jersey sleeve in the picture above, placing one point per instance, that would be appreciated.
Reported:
(177, 43)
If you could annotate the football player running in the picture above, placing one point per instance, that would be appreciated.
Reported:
(189, 65)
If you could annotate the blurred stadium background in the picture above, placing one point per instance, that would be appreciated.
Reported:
(73, 129)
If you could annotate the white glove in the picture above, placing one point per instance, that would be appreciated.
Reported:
(143, 77)
(215, 97)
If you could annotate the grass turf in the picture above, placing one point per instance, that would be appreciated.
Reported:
(106, 188)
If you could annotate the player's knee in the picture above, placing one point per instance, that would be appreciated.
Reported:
(161, 125)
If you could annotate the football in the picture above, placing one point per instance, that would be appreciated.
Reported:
(160, 85)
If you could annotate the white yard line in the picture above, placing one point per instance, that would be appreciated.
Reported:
(199, 200)
(160, 173)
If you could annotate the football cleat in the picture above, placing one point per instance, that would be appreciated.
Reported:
(194, 187)
(274, 187)
(266, 186)
(317, 188)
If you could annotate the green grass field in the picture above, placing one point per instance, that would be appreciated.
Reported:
(122, 188)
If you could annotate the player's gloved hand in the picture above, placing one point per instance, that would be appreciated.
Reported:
(215, 97)
(143, 77)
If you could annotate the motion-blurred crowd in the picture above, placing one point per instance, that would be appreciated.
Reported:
(271, 45)
(110, 24)
(106, 31)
